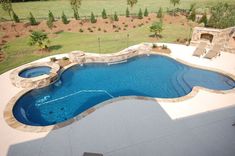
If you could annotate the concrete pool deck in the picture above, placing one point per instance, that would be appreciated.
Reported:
(203, 125)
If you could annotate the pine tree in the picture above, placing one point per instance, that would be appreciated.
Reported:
(15, 17)
(127, 12)
(32, 20)
(76, 14)
(115, 17)
(93, 19)
(146, 13)
(104, 15)
(50, 20)
(51, 16)
(192, 15)
(204, 19)
(75, 5)
(64, 18)
(159, 13)
(140, 14)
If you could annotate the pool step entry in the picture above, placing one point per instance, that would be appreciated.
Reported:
(116, 62)
(72, 94)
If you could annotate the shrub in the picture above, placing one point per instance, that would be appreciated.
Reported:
(159, 13)
(154, 45)
(64, 18)
(164, 46)
(146, 13)
(99, 29)
(127, 12)
(204, 19)
(93, 19)
(104, 15)
(222, 16)
(126, 25)
(140, 14)
(32, 20)
(15, 17)
(80, 30)
(115, 17)
(105, 30)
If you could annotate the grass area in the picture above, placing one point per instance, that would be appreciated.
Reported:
(18, 52)
(40, 8)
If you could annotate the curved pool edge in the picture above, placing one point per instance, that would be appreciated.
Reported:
(14, 123)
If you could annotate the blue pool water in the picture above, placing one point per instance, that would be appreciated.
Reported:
(34, 72)
(80, 88)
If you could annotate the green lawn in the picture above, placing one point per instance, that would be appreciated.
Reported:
(40, 8)
(18, 52)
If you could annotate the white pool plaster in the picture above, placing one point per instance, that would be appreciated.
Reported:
(200, 125)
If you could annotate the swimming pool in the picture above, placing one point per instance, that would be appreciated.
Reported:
(34, 71)
(82, 87)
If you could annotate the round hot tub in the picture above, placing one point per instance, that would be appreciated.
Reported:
(35, 71)
(35, 75)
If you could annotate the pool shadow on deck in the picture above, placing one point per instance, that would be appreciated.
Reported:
(138, 128)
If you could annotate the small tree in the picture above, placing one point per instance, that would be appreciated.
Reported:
(104, 15)
(76, 14)
(192, 15)
(51, 16)
(40, 39)
(127, 12)
(50, 23)
(174, 2)
(15, 17)
(156, 28)
(32, 20)
(140, 14)
(131, 3)
(7, 7)
(222, 16)
(204, 19)
(64, 18)
(93, 19)
(159, 13)
(75, 4)
(192, 7)
(146, 13)
(115, 17)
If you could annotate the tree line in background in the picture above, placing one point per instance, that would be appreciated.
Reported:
(221, 15)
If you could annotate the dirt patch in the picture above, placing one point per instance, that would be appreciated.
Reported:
(15, 30)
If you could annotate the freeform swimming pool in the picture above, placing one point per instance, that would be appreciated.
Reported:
(82, 87)
(34, 71)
